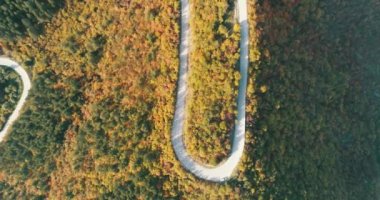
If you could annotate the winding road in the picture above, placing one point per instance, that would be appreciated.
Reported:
(219, 173)
(25, 92)
(224, 170)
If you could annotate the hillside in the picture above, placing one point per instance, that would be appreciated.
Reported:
(97, 122)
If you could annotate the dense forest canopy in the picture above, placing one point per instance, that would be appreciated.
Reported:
(97, 121)
(213, 79)
(19, 18)
(317, 125)
(10, 91)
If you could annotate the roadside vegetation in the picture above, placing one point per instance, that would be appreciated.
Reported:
(213, 80)
(98, 119)
(97, 122)
(10, 91)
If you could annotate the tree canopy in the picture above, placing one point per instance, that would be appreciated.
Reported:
(19, 18)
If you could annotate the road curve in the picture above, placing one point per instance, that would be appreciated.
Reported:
(224, 170)
(26, 87)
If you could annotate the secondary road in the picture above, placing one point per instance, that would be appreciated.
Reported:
(25, 92)
(224, 170)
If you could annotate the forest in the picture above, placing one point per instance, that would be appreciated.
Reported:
(19, 18)
(97, 122)
(10, 91)
(316, 130)
(213, 78)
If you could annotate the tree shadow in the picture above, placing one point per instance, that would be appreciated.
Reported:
(317, 128)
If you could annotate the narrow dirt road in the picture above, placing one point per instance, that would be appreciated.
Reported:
(224, 170)
(25, 92)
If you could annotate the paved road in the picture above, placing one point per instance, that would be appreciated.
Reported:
(224, 170)
(26, 87)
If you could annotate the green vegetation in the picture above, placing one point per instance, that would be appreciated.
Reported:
(213, 79)
(316, 131)
(97, 122)
(100, 127)
(19, 18)
(28, 155)
(10, 92)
